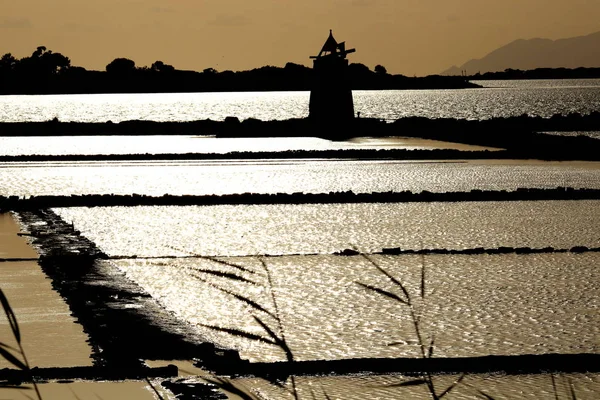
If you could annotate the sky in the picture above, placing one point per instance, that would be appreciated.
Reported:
(409, 37)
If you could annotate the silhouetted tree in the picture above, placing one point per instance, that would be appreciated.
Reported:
(290, 66)
(121, 66)
(7, 62)
(44, 62)
(160, 66)
(380, 69)
(358, 69)
(55, 62)
(38, 52)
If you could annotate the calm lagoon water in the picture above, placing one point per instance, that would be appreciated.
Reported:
(500, 99)
(477, 305)
(474, 305)
(92, 145)
(377, 387)
(287, 176)
(282, 229)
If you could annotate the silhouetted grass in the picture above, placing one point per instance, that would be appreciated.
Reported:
(8, 352)
(426, 345)
(274, 336)
(427, 350)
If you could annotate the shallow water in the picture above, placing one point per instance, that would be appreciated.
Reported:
(514, 98)
(241, 230)
(93, 145)
(474, 305)
(592, 134)
(377, 387)
(287, 176)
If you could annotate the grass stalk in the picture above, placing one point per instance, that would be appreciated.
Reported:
(7, 351)
(405, 299)
(274, 337)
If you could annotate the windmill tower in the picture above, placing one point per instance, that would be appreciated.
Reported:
(331, 97)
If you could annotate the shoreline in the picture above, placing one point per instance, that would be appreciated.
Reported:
(520, 137)
(33, 203)
(54, 341)
(51, 336)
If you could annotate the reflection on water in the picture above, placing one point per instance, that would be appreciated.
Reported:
(58, 145)
(514, 99)
(519, 387)
(287, 176)
(475, 305)
(239, 230)
(592, 134)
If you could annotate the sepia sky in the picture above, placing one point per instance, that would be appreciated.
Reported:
(411, 37)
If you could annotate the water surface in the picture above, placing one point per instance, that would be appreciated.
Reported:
(474, 305)
(288, 176)
(506, 98)
(280, 229)
(139, 144)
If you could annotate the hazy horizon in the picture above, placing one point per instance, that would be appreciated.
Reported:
(408, 37)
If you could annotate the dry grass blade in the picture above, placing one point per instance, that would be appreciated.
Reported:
(431, 346)
(388, 275)
(487, 396)
(227, 275)
(12, 319)
(238, 332)
(402, 343)
(227, 263)
(554, 386)
(269, 331)
(12, 359)
(452, 386)
(383, 292)
(154, 389)
(280, 342)
(572, 390)
(5, 349)
(73, 393)
(243, 299)
(4, 345)
(213, 259)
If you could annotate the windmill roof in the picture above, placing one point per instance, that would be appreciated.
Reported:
(331, 44)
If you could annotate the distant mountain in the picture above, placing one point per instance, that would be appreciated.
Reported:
(581, 51)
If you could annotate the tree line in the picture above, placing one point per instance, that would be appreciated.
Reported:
(47, 72)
